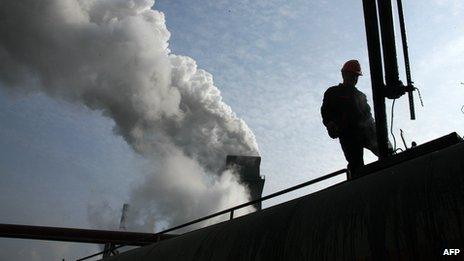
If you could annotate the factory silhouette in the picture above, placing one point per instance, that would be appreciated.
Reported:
(408, 205)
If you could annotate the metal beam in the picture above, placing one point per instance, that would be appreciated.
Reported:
(80, 235)
(388, 43)
(406, 58)
(375, 65)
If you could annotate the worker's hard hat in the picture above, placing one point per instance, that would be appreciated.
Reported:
(352, 66)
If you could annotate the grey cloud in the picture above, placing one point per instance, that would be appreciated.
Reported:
(113, 56)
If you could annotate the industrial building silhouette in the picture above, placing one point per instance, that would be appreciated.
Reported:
(411, 208)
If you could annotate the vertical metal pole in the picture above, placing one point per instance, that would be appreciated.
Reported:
(375, 64)
(406, 59)
(388, 43)
(376, 228)
(231, 214)
(107, 250)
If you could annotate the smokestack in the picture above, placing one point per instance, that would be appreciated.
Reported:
(122, 223)
(107, 249)
(247, 167)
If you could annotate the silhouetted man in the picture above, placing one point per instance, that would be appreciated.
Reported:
(347, 116)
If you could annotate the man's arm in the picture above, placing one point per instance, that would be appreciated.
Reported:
(326, 109)
(327, 112)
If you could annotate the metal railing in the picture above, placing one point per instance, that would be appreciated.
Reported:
(232, 209)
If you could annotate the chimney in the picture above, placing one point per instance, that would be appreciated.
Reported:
(247, 167)
(122, 223)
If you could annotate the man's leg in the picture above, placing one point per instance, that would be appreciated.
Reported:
(353, 149)
(370, 141)
(371, 144)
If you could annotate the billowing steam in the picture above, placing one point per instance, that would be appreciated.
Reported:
(113, 56)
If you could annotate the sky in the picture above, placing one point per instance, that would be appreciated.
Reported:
(271, 61)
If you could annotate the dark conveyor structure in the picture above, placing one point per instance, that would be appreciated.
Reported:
(411, 208)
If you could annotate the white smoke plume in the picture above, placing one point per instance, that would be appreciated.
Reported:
(113, 56)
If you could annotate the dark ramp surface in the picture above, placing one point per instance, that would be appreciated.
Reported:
(409, 211)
